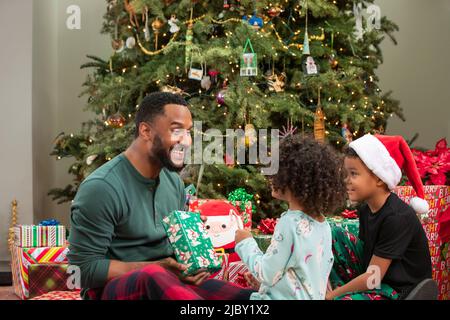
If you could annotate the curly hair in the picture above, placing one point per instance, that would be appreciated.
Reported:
(313, 173)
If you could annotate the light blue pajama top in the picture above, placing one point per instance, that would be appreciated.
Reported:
(297, 263)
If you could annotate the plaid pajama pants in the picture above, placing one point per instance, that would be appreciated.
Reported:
(154, 282)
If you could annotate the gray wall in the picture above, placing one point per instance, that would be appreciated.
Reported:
(418, 68)
(15, 120)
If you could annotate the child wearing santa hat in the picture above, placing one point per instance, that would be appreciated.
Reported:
(395, 249)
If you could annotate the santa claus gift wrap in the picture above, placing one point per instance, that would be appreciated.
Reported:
(223, 219)
(191, 243)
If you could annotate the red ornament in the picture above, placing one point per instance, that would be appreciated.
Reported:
(274, 12)
(267, 226)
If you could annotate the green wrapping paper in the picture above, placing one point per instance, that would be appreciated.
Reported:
(351, 225)
(190, 242)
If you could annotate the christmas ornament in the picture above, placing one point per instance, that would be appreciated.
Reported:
(229, 162)
(306, 44)
(346, 134)
(133, 7)
(205, 83)
(195, 73)
(90, 159)
(333, 61)
(220, 97)
(116, 121)
(146, 27)
(274, 11)
(310, 67)
(117, 45)
(276, 82)
(156, 26)
(174, 90)
(306, 40)
(226, 5)
(255, 21)
(213, 74)
(319, 122)
(188, 47)
(250, 135)
(289, 130)
(249, 63)
(130, 43)
(173, 23)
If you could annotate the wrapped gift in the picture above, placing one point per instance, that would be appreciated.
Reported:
(223, 219)
(39, 236)
(234, 273)
(45, 278)
(23, 258)
(438, 198)
(243, 210)
(350, 225)
(191, 243)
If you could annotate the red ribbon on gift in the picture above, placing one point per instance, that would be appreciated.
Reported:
(349, 214)
(267, 226)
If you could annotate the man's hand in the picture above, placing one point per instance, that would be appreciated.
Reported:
(241, 235)
(177, 268)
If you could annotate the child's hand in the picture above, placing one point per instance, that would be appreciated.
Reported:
(241, 235)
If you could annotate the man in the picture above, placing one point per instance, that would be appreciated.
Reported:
(116, 237)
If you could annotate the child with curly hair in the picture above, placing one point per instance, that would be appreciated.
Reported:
(298, 262)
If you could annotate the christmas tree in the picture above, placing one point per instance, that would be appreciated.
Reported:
(298, 66)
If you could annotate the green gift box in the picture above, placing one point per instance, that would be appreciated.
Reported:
(190, 242)
(351, 225)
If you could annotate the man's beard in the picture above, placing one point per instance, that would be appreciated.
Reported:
(159, 153)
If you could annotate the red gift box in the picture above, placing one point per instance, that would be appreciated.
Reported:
(44, 278)
(436, 228)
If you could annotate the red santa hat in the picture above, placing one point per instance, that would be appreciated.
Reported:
(386, 156)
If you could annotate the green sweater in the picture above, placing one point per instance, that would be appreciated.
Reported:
(116, 215)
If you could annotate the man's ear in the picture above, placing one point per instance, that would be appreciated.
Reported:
(146, 131)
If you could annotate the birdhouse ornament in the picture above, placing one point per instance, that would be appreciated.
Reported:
(249, 63)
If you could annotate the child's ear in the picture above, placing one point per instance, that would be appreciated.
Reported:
(381, 184)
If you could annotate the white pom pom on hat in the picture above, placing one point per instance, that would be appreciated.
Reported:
(385, 156)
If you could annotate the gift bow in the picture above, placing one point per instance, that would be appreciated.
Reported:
(349, 214)
(267, 226)
(49, 222)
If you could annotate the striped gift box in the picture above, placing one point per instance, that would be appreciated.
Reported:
(22, 258)
(30, 236)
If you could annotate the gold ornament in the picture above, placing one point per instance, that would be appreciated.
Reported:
(116, 121)
(276, 82)
(250, 135)
(319, 122)
(156, 26)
